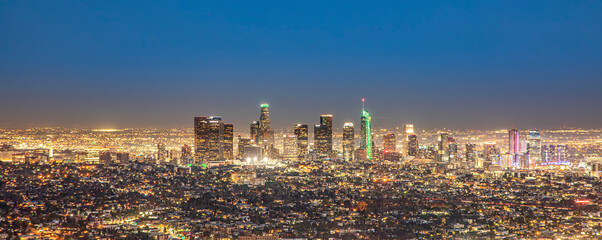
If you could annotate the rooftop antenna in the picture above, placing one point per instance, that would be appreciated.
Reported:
(363, 104)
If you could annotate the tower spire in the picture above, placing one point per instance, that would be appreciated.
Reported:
(363, 104)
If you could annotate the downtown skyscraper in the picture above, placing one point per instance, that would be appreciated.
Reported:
(323, 136)
(407, 131)
(366, 134)
(534, 147)
(514, 146)
(302, 133)
(348, 141)
(212, 138)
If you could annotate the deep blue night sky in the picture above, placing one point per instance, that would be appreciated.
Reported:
(457, 64)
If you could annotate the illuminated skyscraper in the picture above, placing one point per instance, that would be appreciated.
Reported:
(366, 134)
(491, 155)
(242, 142)
(264, 118)
(302, 133)
(209, 138)
(407, 131)
(161, 152)
(290, 147)
(534, 147)
(443, 147)
(348, 141)
(323, 135)
(254, 129)
(470, 153)
(201, 135)
(215, 150)
(261, 130)
(452, 149)
(228, 145)
(412, 146)
(390, 142)
(514, 146)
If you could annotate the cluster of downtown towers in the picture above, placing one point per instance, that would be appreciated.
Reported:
(214, 139)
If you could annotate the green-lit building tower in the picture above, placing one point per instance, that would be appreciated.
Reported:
(366, 134)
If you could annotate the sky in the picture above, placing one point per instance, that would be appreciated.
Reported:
(437, 64)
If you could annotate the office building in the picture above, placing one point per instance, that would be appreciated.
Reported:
(412, 145)
(407, 131)
(302, 133)
(289, 150)
(534, 147)
(348, 141)
(389, 142)
(366, 134)
(323, 136)
(212, 139)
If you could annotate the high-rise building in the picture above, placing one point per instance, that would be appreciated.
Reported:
(514, 146)
(215, 150)
(201, 135)
(323, 135)
(261, 130)
(348, 141)
(242, 142)
(491, 154)
(390, 142)
(290, 147)
(366, 134)
(443, 147)
(470, 153)
(264, 118)
(161, 152)
(534, 147)
(254, 129)
(407, 131)
(412, 146)
(302, 133)
(452, 150)
(209, 138)
(228, 145)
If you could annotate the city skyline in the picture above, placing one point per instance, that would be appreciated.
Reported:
(455, 65)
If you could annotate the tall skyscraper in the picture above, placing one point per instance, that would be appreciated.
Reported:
(201, 135)
(514, 146)
(228, 144)
(452, 149)
(390, 142)
(348, 141)
(302, 133)
(412, 146)
(161, 152)
(261, 130)
(470, 153)
(534, 147)
(366, 134)
(264, 118)
(407, 131)
(254, 129)
(209, 138)
(242, 142)
(443, 147)
(290, 147)
(323, 135)
(215, 150)
(491, 154)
